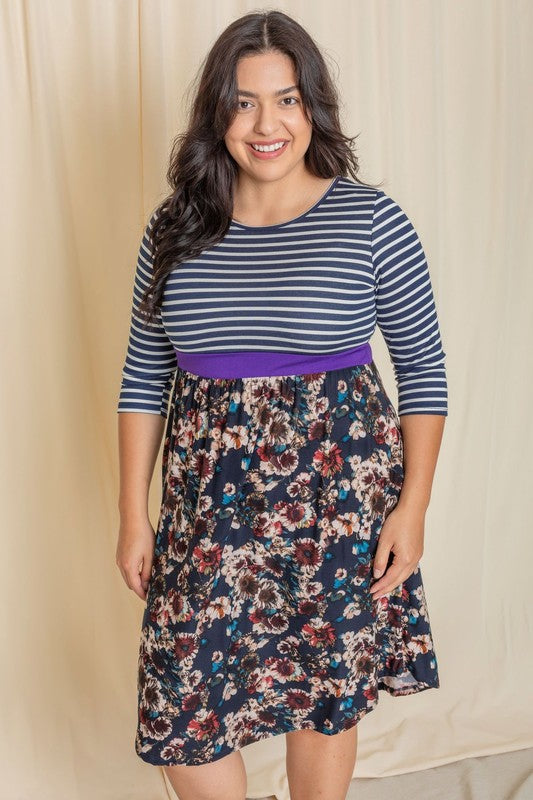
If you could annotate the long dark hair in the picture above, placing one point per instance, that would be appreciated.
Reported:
(198, 212)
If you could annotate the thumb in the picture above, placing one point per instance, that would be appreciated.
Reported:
(146, 571)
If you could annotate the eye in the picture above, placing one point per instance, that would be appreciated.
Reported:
(282, 101)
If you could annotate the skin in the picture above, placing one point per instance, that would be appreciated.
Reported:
(319, 766)
(271, 191)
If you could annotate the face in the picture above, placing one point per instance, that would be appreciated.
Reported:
(269, 112)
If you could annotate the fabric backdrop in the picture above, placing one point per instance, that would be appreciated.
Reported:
(92, 93)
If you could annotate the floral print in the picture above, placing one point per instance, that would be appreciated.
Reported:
(258, 617)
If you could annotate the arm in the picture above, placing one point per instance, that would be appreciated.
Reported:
(407, 317)
(422, 436)
(150, 362)
(139, 440)
(143, 405)
(405, 311)
(403, 529)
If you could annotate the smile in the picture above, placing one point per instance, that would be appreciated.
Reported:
(267, 151)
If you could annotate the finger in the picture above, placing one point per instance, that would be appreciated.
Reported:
(136, 584)
(132, 580)
(393, 577)
(124, 575)
(146, 573)
(381, 558)
(390, 585)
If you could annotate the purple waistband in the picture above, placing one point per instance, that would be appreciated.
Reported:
(261, 363)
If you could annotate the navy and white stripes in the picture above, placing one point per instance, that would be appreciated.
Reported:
(405, 311)
(316, 284)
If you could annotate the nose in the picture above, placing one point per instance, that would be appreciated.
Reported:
(266, 121)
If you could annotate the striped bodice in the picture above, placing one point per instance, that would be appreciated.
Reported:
(315, 285)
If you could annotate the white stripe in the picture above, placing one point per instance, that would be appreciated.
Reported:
(320, 284)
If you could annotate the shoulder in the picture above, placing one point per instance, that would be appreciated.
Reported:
(147, 239)
(374, 200)
(153, 216)
(371, 206)
(348, 188)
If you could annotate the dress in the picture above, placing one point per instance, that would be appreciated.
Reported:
(258, 617)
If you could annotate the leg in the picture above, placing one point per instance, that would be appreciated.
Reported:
(320, 766)
(223, 779)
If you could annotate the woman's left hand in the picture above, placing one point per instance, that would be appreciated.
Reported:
(403, 533)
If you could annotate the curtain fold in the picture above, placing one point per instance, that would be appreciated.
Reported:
(93, 93)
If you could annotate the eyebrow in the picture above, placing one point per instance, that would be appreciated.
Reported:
(245, 93)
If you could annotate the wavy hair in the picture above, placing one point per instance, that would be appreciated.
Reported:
(198, 211)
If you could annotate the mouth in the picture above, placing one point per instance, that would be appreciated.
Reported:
(272, 150)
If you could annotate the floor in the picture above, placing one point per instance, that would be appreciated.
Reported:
(506, 776)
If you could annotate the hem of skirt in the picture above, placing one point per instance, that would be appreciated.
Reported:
(157, 761)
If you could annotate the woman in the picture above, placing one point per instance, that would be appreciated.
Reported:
(282, 584)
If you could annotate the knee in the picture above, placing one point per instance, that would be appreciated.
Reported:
(223, 779)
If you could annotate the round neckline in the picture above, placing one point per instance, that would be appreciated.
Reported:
(294, 219)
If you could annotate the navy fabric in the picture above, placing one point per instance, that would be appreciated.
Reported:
(317, 284)
(259, 618)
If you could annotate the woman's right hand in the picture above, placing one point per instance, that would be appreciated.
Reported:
(135, 553)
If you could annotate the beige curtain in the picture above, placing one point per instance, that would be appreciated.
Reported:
(92, 93)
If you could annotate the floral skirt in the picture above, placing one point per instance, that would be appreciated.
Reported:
(258, 617)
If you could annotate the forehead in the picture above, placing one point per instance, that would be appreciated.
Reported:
(268, 74)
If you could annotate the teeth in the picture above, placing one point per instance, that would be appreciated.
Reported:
(269, 148)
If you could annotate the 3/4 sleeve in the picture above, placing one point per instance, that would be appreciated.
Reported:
(150, 362)
(405, 311)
